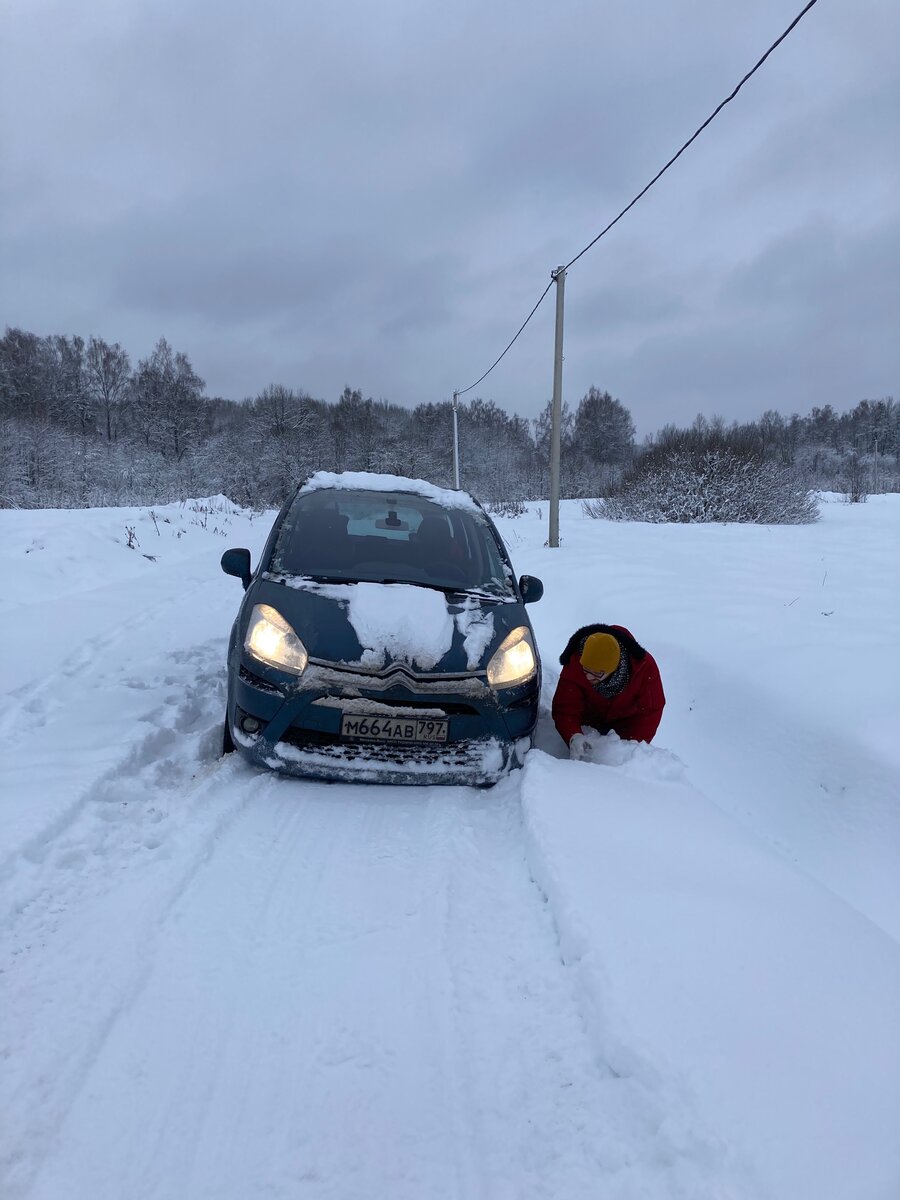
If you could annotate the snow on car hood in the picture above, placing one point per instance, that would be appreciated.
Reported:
(399, 622)
(373, 624)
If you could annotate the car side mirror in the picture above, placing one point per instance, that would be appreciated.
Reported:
(237, 562)
(531, 588)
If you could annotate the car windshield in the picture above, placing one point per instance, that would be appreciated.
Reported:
(362, 536)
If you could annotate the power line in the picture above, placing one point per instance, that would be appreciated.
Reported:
(644, 191)
(694, 135)
(462, 391)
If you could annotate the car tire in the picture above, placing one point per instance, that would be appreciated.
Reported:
(227, 739)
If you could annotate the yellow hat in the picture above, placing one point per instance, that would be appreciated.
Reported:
(601, 654)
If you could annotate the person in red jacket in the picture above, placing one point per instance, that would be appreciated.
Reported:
(609, 683)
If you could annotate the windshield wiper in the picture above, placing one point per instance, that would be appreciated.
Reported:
(284, 576)
(450, 589)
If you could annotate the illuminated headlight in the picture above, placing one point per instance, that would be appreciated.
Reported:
(271, 640)
(514, 661)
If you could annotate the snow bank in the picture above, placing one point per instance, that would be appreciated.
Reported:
(779, 649)
(108, 606)
(772, 1003)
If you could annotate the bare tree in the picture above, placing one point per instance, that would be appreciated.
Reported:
(167, 393)
(108, 372)
(287, 433)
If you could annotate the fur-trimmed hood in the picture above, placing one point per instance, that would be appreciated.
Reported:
(575, 643)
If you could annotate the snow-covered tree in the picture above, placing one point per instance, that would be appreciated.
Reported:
(107, 371)
(166, 395)
(603, 429)
(709, 484)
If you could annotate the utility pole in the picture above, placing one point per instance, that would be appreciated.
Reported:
(559, 276)
(455, 441)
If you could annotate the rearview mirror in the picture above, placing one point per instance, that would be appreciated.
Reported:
(237, 562)
(531, 588)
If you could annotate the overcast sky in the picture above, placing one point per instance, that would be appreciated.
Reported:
(374, 195)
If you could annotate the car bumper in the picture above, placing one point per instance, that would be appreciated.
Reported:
(300, 726)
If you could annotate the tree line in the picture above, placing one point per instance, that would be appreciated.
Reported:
(80, 425)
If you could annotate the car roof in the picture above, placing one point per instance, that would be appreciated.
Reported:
(372, 481)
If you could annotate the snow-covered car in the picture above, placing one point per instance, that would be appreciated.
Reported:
(382, 637)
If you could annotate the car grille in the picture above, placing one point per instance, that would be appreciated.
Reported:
(337, 679)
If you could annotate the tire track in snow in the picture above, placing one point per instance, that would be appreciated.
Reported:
(40, 699)
(189, 700)
(600, 1130)
(354, 992)
(334, 837)
(130, 848)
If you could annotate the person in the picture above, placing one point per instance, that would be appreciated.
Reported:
(609, 683)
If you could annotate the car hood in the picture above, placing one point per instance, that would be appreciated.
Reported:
(372, 625)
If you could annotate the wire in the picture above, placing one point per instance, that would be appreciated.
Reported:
(644, 191)
(462, 391)
(694, 135)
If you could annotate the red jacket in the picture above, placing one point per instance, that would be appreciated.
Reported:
(634, 714)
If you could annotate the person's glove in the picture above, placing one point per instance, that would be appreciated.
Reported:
(579, 750)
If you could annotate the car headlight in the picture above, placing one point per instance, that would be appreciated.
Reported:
(271, 640)
(514, 661)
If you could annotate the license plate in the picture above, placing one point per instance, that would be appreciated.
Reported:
(394, 729)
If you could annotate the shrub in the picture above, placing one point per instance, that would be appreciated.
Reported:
(709, 484)
(508, 508)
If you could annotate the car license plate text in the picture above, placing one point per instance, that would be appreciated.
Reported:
(394, 729)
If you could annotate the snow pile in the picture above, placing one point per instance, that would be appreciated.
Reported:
(635, 759)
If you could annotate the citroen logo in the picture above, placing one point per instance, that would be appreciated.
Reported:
(396, 669)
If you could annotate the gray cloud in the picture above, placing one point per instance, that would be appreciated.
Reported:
(788, 329)
(375, 195)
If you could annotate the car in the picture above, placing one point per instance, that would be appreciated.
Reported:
(382, 637)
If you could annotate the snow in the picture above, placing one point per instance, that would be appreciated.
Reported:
(670, 972)
(409, 624)
(375, 482)
(484, 758)
(372, 707)
(476, 624)
(634, 759)
(773, 1002)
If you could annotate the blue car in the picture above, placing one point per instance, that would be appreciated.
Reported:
(383, 637)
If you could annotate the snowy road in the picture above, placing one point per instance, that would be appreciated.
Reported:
(247, 985)
(277, 988)
(218, 982)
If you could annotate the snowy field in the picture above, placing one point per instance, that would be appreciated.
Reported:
(674, 973)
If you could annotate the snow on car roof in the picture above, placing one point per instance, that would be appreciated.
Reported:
(375, 482)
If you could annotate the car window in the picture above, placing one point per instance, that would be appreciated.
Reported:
(373, 536)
